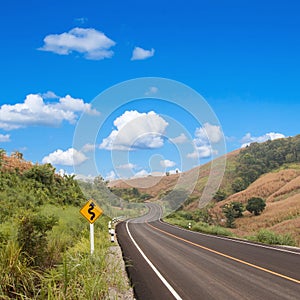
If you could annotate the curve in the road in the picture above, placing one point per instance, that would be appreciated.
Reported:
(166, 262)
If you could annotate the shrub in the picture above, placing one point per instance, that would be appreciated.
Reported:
(232, 211)
(256, 205)
(220, 195)
(32, 236)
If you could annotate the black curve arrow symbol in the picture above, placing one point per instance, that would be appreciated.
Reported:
(92, 205)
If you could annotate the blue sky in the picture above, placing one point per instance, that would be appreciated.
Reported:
(57, 56)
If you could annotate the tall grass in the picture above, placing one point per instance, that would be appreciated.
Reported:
(269, 237)
(18, 278)
(200, 226)
(70, 271)
(80, 276)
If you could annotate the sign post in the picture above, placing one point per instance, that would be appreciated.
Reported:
(91, 212)
(92, 237)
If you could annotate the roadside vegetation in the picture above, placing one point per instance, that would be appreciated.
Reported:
(44, 241)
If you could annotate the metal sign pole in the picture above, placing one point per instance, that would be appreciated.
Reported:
(92, 237)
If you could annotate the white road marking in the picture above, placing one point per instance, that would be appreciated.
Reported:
(164, 281)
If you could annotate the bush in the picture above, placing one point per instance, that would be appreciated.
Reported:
(256, 205)
(232, 211)
(220, 195)
(32, 236)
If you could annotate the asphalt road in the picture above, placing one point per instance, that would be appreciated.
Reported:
(166, 262)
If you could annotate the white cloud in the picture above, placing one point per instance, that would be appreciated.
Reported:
(49, 95)
(111, 176)
(167, 163)
(88, 148)
(86, 178)
(175, 171)
(70, 157)
(204, 138)
(142, 173)
(140, 53)
(4, 138)
(181, 139)
(135, 130)
(248, 139)
(151, 91)
(128, 166)
(203, 151)
(208, 134)
(91, 43)
(81, 20)
(34, 111)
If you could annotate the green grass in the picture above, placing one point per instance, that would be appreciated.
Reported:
(71, 271)
(211, 229)
(269, 237)
(199, 226)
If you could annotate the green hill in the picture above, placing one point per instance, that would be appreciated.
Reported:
(44, 241)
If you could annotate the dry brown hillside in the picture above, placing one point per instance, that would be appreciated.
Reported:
(281, 190)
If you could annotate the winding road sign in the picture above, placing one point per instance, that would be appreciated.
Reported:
(91, 211)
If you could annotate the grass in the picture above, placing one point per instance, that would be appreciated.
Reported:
(269, 237)
(211, 229)
(71, 271)
(17, 277)
(200, 226)
(81, 275)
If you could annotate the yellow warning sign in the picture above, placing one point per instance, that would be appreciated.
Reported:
(91, 211)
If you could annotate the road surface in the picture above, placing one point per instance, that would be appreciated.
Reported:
(166, 262)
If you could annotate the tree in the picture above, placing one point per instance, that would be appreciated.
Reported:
(229, 214)
(17, 154)
(239, 184)
(256, 205)
(232, 211)
(238, 209)
(220, 195)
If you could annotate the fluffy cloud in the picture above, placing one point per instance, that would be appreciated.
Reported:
(70, 157)
(248, 139)
(91, 43)
(208, 134)
(204, 138)
(181, 139)
(167, 163)
(202, 152)
(140, 53)
(135, 130)
(34, 111)
(4, 138)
